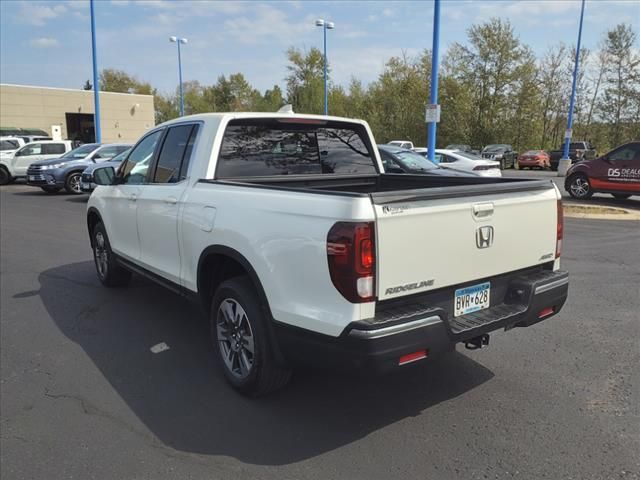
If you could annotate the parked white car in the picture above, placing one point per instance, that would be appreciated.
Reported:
(16, 166)
(402, 144)
(300, 248)
(468, 162)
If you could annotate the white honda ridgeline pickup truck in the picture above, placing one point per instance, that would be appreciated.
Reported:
(302, 250)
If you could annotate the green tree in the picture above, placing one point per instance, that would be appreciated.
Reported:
(305, 81)
(488, 66)
(620, 103)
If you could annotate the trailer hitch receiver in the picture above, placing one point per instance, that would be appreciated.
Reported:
(478, 342)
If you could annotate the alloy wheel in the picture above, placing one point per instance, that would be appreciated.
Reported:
(580, 187)
(235, 338)
(101, 255)
(74, 183)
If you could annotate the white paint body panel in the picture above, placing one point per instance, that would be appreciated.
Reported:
(436, 239)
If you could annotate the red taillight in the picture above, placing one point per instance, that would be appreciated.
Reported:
(559, 229)
(545, 312)
(352, 260)
(412, 357)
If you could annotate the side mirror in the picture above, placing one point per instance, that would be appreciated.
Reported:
(395, 170)
(104, 176)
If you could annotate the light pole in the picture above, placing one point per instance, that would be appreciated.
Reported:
(178, 41)
(325, 26)
(96, 85)
(433, 98)
(565, 161)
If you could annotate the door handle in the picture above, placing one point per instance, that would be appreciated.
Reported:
(171, 200)
(133, 197)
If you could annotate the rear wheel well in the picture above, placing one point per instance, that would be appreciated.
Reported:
(214, 269)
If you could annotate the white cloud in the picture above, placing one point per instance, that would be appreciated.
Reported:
(44, 42)
(38, 13)
(266, 22)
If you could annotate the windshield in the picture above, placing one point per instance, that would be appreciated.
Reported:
(470, 156)
(121, 156)
(414, 160)
(81, 151)
(533, 152)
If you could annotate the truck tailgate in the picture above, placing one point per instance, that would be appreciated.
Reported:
(429, 240)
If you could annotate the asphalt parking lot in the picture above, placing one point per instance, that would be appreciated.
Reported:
(82, 395)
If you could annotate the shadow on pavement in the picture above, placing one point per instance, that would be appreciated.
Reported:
(181, 396)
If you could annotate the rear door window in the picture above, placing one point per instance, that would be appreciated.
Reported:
(264, 147)
(53, 148)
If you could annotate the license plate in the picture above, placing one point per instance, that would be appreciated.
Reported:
(32, 178)
(471, 299)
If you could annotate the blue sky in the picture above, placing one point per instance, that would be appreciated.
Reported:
(48, 42)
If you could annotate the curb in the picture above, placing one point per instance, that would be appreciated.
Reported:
(599, 212)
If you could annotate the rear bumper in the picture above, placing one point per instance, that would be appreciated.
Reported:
(378, 344)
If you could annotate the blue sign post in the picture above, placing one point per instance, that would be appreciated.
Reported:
(96, 83)
(565, 161)
(433, 99)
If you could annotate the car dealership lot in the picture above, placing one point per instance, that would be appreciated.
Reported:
(83, 395)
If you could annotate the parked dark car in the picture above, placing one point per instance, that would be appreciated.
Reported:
(87, 184)
(502, 153)
(401, 160)
(617, 173)
(578, 151)
(66, 171)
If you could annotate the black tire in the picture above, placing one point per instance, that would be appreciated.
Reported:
(72, 183)
(579, 187)
(621, 196)
(50, 190)
(5, 176)
(243, 340)
(109, 272)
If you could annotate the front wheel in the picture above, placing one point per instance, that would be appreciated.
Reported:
(621, 196)
(109, 272)
(579, 187)
(5, 176)
(239, 333)
(72, 184)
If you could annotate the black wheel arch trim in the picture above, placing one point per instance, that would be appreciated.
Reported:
(90, 211)
(255, 280)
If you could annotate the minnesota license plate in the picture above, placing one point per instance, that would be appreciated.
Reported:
(471, 299)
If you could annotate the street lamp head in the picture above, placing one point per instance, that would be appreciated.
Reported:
(183, 40)
(177, 39)
(330, 25)
(319, 23)
(173, 39)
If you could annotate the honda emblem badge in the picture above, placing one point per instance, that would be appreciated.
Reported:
(484, 236)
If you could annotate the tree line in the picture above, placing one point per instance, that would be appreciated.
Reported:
(492, 89)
